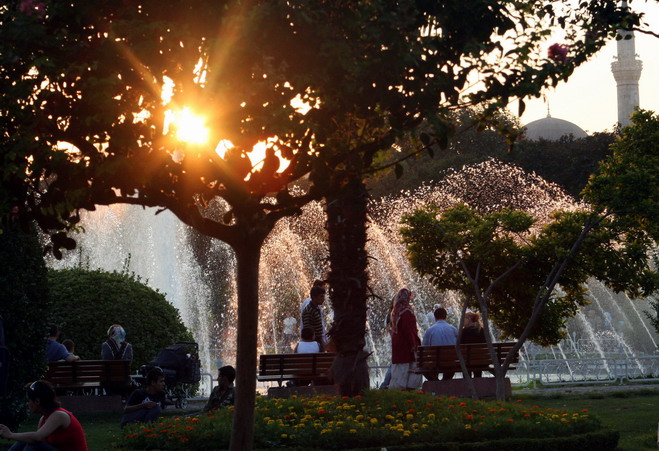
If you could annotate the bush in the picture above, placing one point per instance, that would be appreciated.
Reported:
(24, 306)
(384, 418)
(86, 303)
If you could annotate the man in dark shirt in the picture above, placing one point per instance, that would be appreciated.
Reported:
(312, 316)
(145, 405)
(223, 395)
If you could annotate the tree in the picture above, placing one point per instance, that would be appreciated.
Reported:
(510, 272)
(25, 308)
(366, 74)
(88, 302)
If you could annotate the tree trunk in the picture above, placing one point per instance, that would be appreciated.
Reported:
(346, 227)
(248, 254)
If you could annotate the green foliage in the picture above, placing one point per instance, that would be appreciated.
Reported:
(86, 303)
(381, 418)
(654, 318)
(627, 182)
(25, 307)
(567, 162)
(459, 247)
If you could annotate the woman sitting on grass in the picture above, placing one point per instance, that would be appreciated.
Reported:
(58, 429)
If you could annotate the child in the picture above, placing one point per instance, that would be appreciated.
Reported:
(69, 345)
(308, 343)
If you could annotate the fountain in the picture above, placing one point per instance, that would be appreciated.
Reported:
(197, 273)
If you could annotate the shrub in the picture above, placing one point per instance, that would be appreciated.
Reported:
(383, 418)
(86, 303)
(24, 306)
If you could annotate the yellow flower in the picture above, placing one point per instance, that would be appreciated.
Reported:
(284, 435)
(409, 416)
(353, 431)
(468, 426)
(406, 433)
(374, 420)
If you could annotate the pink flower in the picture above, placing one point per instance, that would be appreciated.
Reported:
(558, 53)
(32, 8)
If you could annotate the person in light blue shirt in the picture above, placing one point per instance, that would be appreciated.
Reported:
(440, 334)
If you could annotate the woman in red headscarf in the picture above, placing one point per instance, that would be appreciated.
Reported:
(404, 340)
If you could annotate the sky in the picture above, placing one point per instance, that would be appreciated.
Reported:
(588, 98)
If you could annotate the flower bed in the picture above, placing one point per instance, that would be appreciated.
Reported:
(380, 418)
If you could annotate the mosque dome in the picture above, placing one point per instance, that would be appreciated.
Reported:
(552, 129)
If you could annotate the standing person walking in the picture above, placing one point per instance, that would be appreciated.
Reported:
(404, 340)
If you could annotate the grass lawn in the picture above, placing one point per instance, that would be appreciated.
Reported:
(635, 414)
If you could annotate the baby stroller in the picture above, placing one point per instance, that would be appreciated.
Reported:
(180, 363)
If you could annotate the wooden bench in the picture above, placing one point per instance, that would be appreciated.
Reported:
(88, 376)
(313, 367)
(444, 359)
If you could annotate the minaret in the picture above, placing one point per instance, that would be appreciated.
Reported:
(626, 70)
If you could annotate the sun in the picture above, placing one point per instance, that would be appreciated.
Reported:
(189, 127)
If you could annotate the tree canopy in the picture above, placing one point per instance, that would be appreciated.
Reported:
(93, 75)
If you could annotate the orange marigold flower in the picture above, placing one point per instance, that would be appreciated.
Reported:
(510, 420)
